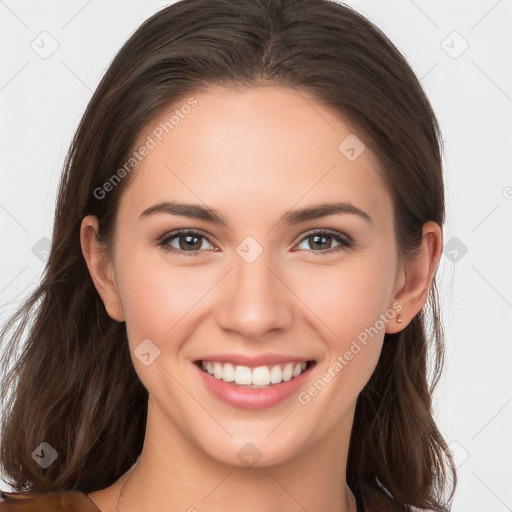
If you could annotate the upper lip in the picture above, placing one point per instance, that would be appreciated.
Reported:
(255, 361)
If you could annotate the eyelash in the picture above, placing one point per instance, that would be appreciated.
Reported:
(344, 241)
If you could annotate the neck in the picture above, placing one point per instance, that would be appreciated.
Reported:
(313, 480)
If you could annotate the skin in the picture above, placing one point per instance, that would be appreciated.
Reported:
(252, 154)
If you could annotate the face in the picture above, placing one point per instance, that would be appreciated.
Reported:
(293, 307)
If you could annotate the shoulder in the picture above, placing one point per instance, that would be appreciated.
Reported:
(47, 501)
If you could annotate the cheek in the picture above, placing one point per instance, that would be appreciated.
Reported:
(347, 299)
(157, 295)
(347, 312)
(348, 303)
(160, 300)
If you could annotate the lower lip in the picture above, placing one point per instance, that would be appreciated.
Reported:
(252, 398)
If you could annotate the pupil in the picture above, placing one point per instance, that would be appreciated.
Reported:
(316, 237)
(186, 245)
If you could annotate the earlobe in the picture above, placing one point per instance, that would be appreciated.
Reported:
(417, 277)
(100, 268)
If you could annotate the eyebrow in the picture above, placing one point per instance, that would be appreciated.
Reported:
(291, 217)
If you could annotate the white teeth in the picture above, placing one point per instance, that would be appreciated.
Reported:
(242, 375)
(217, 370)
(288, 372)
(276, 375)
(228, 373)
(260, 376)
(297, 370)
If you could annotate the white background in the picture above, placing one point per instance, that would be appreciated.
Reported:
(42, 100)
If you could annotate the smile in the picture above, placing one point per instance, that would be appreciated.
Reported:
(260, 376)
(250, 383)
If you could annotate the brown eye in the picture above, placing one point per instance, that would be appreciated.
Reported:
(322, 242)
(189, 242)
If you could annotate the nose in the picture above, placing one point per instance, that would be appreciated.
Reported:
(255, 299)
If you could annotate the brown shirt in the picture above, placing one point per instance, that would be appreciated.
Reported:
(49, 501)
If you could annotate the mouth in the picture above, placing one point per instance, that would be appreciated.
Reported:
(253, 385)
(259, 377)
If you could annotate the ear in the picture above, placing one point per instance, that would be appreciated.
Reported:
(100, 268)
(416, 275)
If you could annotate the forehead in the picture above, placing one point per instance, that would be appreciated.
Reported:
(254, 151)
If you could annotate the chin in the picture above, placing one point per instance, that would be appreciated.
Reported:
(256, 451)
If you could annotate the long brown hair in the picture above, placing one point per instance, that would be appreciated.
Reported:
(68, 376)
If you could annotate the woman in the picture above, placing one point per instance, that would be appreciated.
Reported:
(288, 147)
